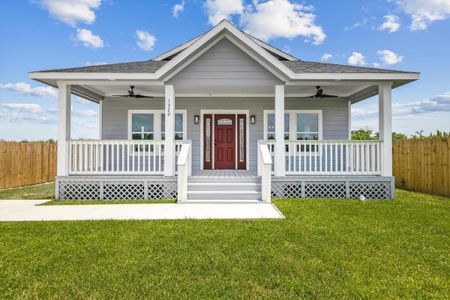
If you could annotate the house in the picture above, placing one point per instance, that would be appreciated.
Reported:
(224, 117)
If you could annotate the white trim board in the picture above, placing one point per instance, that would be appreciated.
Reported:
(214, 112)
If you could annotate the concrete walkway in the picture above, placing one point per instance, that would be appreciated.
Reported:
(28, 210)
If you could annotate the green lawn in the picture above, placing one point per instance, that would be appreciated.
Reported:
(47, 191)
(323, 249)
(38, 191)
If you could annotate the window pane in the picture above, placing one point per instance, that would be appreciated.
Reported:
(271, 126)
(142, 122)
(241, 140)
(178, 126)
(307, 136)
(271, 122)
(179, 122)
(286, 123)
(208, 139)
(307, 122)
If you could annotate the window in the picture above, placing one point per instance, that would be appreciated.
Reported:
(150, 125)
(142, 126)
(179, 125)
(271, 126)
(307, 126)
(298, 125)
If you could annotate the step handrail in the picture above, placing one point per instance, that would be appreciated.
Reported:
(265, 163)
(184, 164)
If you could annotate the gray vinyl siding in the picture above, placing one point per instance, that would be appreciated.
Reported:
(334, 117)
(224, 64)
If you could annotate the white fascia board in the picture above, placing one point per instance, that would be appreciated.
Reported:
(92, 76)
(356, 76)
(234, 41)
(176, 49)
(224, 25)
(273, 49)
(259, 50)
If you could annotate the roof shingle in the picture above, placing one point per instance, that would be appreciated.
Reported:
(317, 67)
(148, 66)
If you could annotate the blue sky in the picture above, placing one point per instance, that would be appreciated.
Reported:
(411, 35)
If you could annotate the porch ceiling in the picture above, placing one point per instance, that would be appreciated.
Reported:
(344, 90)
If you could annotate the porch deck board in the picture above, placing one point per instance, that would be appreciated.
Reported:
(224, 173)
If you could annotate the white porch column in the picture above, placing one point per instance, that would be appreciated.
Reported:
(169, 146)
(279, 158)
(64, 108)
(385, 127)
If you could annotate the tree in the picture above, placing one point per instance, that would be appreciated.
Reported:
(364, 134)
(399, 136)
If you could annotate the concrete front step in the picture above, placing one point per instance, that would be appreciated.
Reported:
(197, 179)
(223, 195)
(224, 201)
(228, 186)
(224, 189)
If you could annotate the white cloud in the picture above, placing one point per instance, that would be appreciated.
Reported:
(222, 9)
(281, 18)
(88, 39)
(358, 24)
(26, 89)
(356, 59)
(390, 58)
(85, 113)
(26, 107)
(391, 23)
(440, 103)
(425, 12)
(326, 57)
(72, 11)
(145, 40)
(177, 9)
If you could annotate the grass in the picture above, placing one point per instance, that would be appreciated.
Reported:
(38, 191)
(323, 249)
(92, 202)
(47, 191)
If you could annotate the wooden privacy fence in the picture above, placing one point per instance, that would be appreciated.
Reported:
(423, 165)
(26, 163)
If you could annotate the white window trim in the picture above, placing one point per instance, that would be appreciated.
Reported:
(156, 121)
(293, 122)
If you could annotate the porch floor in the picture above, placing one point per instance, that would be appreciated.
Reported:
(224, 173)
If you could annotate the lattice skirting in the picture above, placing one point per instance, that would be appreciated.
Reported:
(110, 188)
(333, 187)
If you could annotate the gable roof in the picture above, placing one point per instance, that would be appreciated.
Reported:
(280, 63)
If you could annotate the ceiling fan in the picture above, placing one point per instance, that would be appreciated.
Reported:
(131, 94)
(320, 94)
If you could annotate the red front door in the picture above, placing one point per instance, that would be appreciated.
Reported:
(225, 141)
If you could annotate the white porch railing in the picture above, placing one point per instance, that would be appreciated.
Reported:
(91, 157)
(184, 163)
(331, 157)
